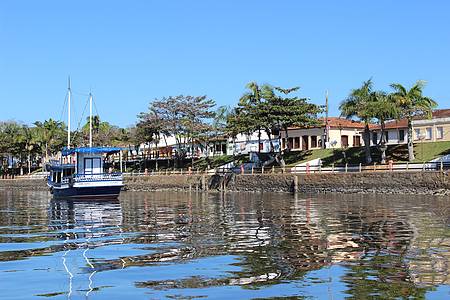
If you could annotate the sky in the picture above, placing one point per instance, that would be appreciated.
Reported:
(128, 53)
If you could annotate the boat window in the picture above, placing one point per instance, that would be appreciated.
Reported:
(92, 165)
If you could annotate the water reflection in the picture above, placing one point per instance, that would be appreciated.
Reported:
(187, 245)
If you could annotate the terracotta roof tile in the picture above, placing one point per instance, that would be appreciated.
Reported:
(336, 122)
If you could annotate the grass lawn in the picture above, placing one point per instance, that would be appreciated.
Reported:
(217, 161)
(425, 151)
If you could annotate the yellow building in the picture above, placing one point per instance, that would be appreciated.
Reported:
(427, 130)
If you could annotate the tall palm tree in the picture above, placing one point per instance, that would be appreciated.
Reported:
(358, 104)
(412, 103)
(252, 98)
(383, 108)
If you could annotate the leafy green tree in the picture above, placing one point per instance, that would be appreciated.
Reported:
(50, 136)
(358, 104)
(383, 108)
(412, 103)
(187, 118)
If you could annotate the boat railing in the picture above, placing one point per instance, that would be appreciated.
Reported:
(98, 177)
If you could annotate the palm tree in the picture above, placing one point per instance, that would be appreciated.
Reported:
(252, 99)
(358, 105)
(383, 108)
(412, 103)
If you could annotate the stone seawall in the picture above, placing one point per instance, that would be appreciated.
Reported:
(24, 184)
(376, 182)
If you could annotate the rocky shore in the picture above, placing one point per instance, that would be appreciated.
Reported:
(376, 182)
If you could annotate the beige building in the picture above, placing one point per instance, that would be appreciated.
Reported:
(427, 130)
(342, 133)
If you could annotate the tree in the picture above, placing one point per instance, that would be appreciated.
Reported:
(249, 108)
(358, 104)
(50, 136)
(412, 103)
(272, 110)
(383, 108)
(187, 118)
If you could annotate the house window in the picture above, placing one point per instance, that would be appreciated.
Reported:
(429, 133)
(401, 135)
(261, 146)
(374, 138)
(290, 143)
(440, 132)
(314, 141)
(417, 134)
(283, 143)
(344, 141)
(356, 141)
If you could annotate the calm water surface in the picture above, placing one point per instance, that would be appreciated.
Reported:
(241, 246)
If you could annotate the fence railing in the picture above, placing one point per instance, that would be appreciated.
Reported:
(306, 169)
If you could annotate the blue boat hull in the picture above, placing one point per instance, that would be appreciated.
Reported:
(104, 192)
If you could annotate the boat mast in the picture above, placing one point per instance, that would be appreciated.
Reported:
(90, 120)
(68, 116)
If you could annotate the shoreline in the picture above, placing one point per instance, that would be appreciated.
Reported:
(412, 183)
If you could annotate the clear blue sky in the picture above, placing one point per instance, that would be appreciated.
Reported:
(130, 52)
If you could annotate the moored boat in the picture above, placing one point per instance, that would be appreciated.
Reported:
(81, 172)
(86, 177)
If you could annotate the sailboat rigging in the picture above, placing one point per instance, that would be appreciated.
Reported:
(81, 172)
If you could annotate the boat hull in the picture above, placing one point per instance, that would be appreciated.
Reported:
(88, 193)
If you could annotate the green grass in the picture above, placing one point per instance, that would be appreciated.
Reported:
(425, 151)
(217, 161)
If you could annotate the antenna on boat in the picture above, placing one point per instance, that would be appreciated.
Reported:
(90, 119)
(68, 117)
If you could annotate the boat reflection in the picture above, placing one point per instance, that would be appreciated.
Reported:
(84, 225)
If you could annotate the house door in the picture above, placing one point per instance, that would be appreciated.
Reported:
(344, 141)
(305, 145)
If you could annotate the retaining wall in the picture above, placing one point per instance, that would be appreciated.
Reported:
(377, 182)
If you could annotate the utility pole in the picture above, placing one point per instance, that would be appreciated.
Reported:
(327, 127)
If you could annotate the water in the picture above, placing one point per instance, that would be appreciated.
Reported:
(238, 246)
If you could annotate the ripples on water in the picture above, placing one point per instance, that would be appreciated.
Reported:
(241, 246)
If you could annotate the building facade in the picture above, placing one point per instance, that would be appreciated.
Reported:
(342, 133)
(424, 130)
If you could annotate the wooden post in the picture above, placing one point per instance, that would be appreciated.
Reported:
(120, 161)
(346, 167)
(332, 168)
(252, 170)
(273, 169)
(295, 183)
(442, 166)
(374, 166)
(262, 170)
(360, 167)
(407, 166)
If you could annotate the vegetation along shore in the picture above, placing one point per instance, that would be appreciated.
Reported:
(271, 129)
